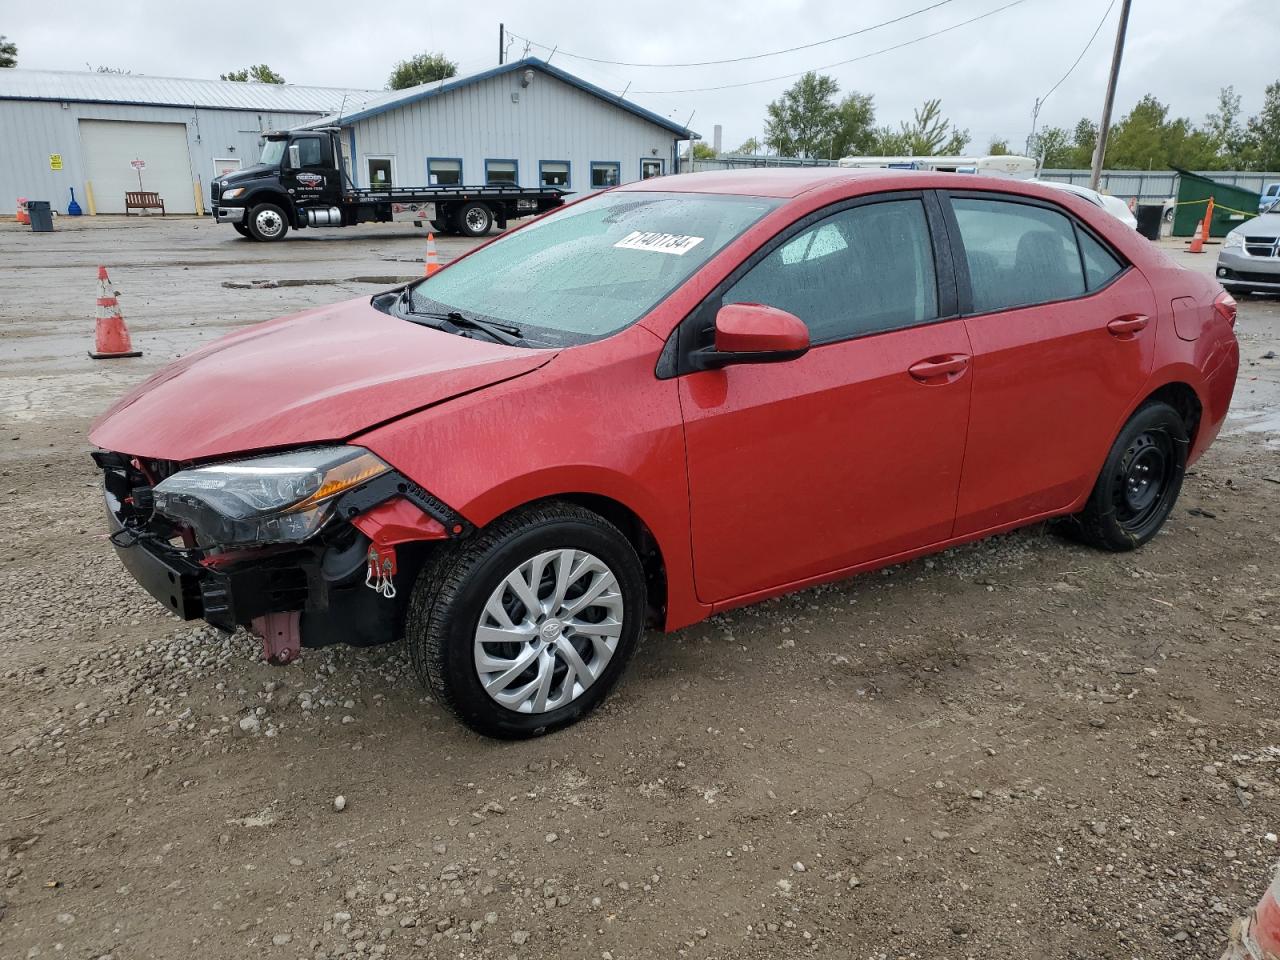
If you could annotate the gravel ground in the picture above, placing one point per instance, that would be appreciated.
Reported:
(1020, 748)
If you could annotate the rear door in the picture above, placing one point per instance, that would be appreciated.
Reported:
(852, 452)
(1063, 332)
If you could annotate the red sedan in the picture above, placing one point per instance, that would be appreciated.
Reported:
(660, 402)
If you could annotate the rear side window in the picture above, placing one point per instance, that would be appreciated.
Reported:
(862, 270)
(1018, 254)
(1100, 264)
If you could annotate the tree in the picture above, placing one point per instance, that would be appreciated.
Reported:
(930, 134)
(856, 134)
(8, 52)
(1262, 134)
(1225, 131)
(424, 68)
(1146, 139)
(750, 147)
(998, 147)
(258, 73)
(888, 142)
(1083, 139)
(805, 120)
(701, 150)
(117, 70)
(1052, 147)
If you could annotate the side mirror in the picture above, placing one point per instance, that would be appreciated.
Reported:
(295, 159)
(753, 333)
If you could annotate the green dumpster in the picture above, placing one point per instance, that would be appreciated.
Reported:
(1231, 205)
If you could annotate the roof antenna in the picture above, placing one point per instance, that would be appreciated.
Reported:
(342, 107)
(552, 53)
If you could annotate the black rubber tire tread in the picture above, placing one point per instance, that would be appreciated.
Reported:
(1096, 525)
(241, 229)
(447, 583)
(253, 214)
(460, 219)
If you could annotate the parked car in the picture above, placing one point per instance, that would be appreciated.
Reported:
(1270, 194)
(1249, 258)
(1113, 205)
(663, 401)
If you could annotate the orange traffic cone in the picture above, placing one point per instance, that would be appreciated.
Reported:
(1202, 230)
(431, 265)
(23, 216)
(112, 335)
(1258, 935)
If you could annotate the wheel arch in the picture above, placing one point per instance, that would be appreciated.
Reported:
(269, 195)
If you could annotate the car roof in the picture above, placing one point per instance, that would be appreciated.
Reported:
(791, 182)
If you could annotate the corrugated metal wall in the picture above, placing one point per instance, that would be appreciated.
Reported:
(1156, 186)
(34, 129)
(551, 121)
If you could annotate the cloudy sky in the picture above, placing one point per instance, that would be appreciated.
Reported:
(988, 72)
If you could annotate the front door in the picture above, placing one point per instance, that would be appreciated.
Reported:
(1063, 336)
(309, 172)
(853, 452)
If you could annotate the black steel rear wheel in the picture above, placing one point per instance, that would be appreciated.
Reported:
(1139, 483)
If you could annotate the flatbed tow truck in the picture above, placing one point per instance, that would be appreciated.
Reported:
(300, 181)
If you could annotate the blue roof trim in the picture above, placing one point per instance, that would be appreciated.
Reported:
(527, 63)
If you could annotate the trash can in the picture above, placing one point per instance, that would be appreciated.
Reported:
(1149, 217)
(1232, 205)
(41, 215)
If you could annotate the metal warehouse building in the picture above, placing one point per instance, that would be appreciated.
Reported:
(525, 122)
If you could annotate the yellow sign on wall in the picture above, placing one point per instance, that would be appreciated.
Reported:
(55, 161)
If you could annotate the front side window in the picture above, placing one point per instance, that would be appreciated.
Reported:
(863, 270)
(1018, 254)
(500, 171)
(311, 152)
(594, 267)
(554, 173)
(605, 175)
(444, 173)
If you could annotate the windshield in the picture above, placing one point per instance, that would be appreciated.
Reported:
(593, 268)
(272, 151)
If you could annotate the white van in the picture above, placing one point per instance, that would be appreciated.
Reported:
(1002, 165)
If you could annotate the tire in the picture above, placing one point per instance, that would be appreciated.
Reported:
(267, 223)
(243, 230)
(450, 625)
(440, 226)
(475, 219)
(1139, 482)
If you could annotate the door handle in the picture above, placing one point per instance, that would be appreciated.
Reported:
(939, 369)
(1128, 324)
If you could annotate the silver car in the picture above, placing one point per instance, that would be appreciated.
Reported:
(1250, 256)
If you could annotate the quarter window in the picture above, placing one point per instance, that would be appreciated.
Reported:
(859, 271)
(1100, 264)
(555, 173)
(605, 175)
(1018, 254)
(500, 171)
(444, 173)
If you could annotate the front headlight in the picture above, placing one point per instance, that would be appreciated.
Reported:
(1233, 241)
(232, 193)
(282, 498)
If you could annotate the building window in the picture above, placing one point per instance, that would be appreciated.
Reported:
(444, 171)
(501, 171)
(605, 175)
(651, 168)
(380, 170)
(554, 173)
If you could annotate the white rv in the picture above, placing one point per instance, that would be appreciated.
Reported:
(1004, 165)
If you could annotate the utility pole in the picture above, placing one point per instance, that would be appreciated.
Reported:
(1105, 126)
(502, 29)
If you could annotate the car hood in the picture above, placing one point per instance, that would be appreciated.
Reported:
(321, 375)
(1265, 225)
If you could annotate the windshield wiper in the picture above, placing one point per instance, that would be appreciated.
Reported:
(506, 333)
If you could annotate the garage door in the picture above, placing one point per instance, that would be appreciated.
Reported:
(109, 148)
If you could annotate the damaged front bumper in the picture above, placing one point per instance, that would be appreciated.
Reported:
(286, 593)
(223, 214)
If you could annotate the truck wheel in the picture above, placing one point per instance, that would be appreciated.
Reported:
(243, 231)
(475, 219)
(526, 626)
(267, 222)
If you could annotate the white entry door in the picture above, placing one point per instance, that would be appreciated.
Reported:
(109, 148)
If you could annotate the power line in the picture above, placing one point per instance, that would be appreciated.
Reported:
(1092, 38)
(841, 63)
(755, 56)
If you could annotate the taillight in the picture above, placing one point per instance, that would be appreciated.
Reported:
(1225, 306)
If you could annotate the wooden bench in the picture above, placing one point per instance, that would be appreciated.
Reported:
(142, 200)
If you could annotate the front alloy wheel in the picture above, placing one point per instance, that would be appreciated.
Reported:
(267, 222)
(525, 626)
(548, 631)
